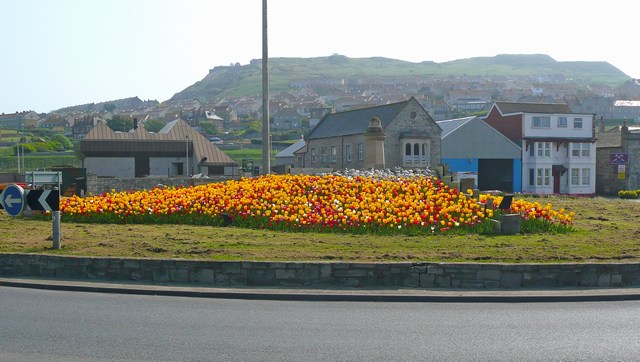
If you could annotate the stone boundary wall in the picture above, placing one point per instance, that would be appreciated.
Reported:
(319, 275)
(99, 185)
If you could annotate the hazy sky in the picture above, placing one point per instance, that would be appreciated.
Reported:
(58, 53)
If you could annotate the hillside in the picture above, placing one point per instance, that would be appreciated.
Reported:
(246, 79)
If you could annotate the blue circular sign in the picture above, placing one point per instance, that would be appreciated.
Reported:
(12, 199)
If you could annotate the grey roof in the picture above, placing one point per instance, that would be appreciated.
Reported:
(523, 107)
(471, 137)
(451, 125)
(288, 152)
(355, 121)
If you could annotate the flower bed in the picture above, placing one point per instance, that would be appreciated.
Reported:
(416, 205)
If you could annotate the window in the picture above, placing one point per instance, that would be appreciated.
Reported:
(532, 177)
(313, 155)
(575, 150)
(323, 154)
(543, 176)
(580, 150)
(348, 152)
(360, 151)
(586, 176)
(547, 176)
(575, 176)
(544, 149)
(577, 122)
(532, 150)
(541, 122)
(334, 154)
(562, 122)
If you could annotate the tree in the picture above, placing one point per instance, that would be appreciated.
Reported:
(153, 125)
(119, 123)
(109, 107)
(64, 141)
(255, 126)
(209, 128)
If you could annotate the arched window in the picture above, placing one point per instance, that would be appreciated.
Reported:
(416, 149)
(407, 150)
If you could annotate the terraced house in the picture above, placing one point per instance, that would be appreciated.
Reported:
(558, 146)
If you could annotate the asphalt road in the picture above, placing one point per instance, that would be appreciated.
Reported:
(41, 325)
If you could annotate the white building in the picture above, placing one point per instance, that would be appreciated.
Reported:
(558, 146)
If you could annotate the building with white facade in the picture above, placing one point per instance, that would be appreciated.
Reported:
(558, 146)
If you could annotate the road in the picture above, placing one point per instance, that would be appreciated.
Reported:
(40, 325)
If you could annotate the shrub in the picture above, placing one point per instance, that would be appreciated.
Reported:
(628, 194)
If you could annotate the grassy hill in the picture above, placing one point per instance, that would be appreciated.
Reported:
(247, 79)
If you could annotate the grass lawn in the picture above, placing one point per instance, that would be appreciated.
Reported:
(606, 230)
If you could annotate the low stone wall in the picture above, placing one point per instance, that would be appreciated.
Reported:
(318, 275)
(99, 185)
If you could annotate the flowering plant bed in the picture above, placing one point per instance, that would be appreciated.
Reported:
(414, 206)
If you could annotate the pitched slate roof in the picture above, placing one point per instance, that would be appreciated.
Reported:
(355, 121)
(523, 107)
(288, 152)
(175, 131)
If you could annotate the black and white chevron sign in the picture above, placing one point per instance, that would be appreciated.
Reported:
(47, 200)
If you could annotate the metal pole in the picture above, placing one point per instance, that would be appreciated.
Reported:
(186, 171)
(55, 218)
(266, 144)
(18, 152)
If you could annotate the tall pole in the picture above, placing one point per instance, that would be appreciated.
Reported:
(266, 140)
(18, 152)
(186, 171)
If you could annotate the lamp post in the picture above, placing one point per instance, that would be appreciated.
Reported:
(186, 171)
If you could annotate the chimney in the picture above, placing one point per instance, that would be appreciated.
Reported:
(602, 124)
(135, 124)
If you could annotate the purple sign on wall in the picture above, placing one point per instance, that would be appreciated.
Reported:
(619, 158)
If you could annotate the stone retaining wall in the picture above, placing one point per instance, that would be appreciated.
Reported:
(318, 275)
(99, 185)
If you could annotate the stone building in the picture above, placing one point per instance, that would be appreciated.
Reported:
(405, 132)
(618, 159)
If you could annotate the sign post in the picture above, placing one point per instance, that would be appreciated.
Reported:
(55, 221)
(12, 200)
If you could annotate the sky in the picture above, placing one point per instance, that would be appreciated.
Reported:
(60, 53)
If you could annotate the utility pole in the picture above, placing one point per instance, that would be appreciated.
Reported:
(186, 171)
(266, 139)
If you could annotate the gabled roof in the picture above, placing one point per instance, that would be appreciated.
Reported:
(174, 131)
(450, 125)
(524, 107)
(355, 121)
(288, 152)
(471, 137)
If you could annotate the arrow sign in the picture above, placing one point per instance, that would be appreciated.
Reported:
(46, 200)
(12, 200)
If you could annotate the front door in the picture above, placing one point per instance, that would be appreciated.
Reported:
(556, 181)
